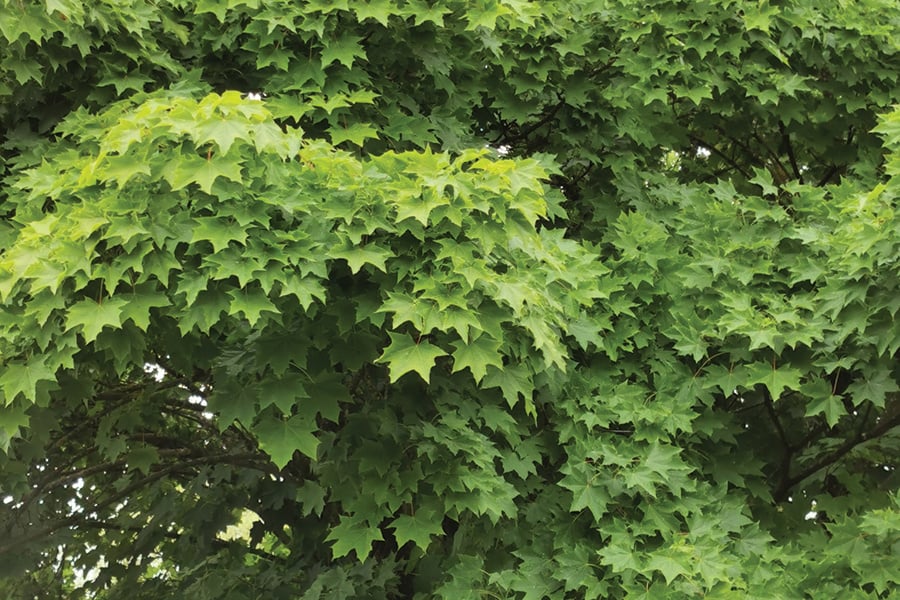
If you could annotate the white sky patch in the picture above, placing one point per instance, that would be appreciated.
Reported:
(155, 370)
(812, 514)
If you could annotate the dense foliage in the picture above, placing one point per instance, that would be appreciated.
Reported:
(463, 299)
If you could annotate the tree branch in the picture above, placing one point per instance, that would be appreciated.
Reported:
(788, 454)
(522, 134)
(889, 420)
(243, 459)
(728, 160)
(789, 148)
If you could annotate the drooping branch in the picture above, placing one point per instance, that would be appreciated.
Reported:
(788, 450)
(789, 148)
(889, 420)
(246, 460)
(506, 138)
(712, 148)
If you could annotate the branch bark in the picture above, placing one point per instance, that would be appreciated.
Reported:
(889, 420)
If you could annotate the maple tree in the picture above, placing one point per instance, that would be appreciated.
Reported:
(409, 299)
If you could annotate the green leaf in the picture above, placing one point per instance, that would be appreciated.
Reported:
(344, 50)
(620, 556)
(357, 133)
(224, 132)
(251, 303)
(218, 231)
(418, 527)
(873, 387)
(23, 377)
(477, 356)
(353, 534)
(232, 401)
(593, 497)
(93, 316)
(485, 14)
(281, 438)
(122, 168)
(378, 10)
(586, 331)
(186, 170)
(668, 564)
(830, 405)
(205, 312)
(283, 392)
(423, 13)
(775, 379)
(125, 81)
(13, 417)
(325, 398)
(312, 497)
(514, 381)
(357, 256)
(763, 178)
(142, 457)
(404, 355)
(137, 307)
(417, 206)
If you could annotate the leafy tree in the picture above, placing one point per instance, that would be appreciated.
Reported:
(408, 299)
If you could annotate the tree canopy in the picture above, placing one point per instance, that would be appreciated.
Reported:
(449, 299)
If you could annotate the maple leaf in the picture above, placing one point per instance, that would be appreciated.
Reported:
(218, 231)
(378, 10)
(586, 331)
(305, 289)
(353, 534)
(252, 303)
(142, 457)
(283, 392)
(514, 381)
(485, 15)
(435, 14)
(224, 132)
(94, 316)
(874, 387)
(136, 307)
(22, 377)
(477, 356)
(620, 557)
(312, 497)
(13, 417)
(592, 497)
(331, 103)
(281, 438)
(356, 133)
(418, 527)
(187, 169)
(325, 398)
(232, 401)
(121, 168)
(343, 50)
(125, 81)
(671, 567)
(727, 379)
(205, 311)
(357, 256)
(823, 401)
(417, 207)
(404, 355)
(775, 379)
